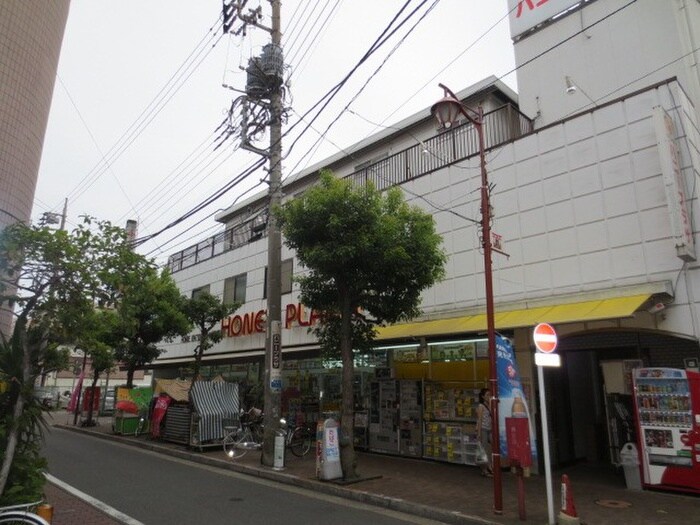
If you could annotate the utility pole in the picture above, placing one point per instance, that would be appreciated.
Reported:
(49, 217)
(264, 97)
(273, 344)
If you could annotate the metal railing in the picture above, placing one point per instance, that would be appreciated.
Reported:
(501, 125)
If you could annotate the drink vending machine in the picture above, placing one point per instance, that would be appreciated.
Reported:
(667, 406)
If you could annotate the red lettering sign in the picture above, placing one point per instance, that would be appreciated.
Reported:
(290, 314)
(294, 315)
(260, 321)
(531, 5)
(254, 322)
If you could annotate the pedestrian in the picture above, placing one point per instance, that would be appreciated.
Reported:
(484, 425)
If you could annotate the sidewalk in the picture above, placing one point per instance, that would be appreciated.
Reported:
(69, 509)
(446, 492)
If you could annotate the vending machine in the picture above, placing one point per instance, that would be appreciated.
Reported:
(667, 405)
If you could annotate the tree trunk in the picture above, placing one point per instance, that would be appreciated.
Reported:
(91, 399)
(348, 460)
(13, 434)
(12, 438)
(198, 353)
(130, 377)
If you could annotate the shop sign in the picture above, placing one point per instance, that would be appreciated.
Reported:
(276, 370)
(251, 323)
(247, 324)
(526, 14)
(452, 352)
(674, 184)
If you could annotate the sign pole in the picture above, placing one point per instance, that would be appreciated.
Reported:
(545, 446)
(545, 338)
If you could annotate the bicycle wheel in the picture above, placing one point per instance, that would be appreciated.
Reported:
(300, 442)
(20, 517)
(232, 444)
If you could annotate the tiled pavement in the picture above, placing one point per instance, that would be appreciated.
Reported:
(441, 491)
(71, 510)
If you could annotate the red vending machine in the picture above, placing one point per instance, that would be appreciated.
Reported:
(667, 403)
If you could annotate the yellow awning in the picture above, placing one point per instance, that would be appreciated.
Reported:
(612, 308)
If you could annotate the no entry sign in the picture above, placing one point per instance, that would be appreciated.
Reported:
(545, 338)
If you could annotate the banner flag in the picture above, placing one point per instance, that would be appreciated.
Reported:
(73, 403)
(512, 400)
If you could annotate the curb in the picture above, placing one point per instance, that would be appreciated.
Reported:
(399, 505)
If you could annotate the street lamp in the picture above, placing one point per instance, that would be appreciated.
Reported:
(446, 111)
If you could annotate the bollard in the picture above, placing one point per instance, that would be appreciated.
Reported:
(45, 511)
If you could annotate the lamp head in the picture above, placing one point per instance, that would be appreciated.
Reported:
(570, 87)
(446, 111)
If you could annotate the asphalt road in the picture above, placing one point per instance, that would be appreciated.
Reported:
(156, 490)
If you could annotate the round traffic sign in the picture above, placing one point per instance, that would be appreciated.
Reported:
(545, 338)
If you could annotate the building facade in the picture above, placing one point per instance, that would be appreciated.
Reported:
(30, 43)
(594, 168)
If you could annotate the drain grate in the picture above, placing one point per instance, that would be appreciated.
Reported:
(613, 503)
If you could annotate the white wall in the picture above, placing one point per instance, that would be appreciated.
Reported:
(580, 204)
(581, 207)
(647, 42)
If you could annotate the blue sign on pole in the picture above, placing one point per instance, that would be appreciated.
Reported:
(512, 400)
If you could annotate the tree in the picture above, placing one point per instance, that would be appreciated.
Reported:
(101, 360)
(204, 312)
(21, 429)
(49, 280)
(55, 359)
(150, 310)
(368, 257)
(98, 339)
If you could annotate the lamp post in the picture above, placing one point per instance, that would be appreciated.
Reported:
(446, 111)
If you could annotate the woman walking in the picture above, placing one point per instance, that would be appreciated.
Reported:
(483, 429)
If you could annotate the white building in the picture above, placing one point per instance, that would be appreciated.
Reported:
(594, 195)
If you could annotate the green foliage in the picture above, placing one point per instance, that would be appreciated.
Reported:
(150, 309)
(204, 312)
(55, 282)
(370, 251)
(25, 483)
(54, 359)
(25, 480)
(368, 257)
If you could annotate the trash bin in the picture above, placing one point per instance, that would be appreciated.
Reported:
(629, 458)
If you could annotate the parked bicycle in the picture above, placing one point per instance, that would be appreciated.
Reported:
(21, 515)
(247, 435)
(298, 439)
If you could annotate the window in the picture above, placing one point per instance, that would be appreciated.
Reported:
(199, 291)
(286, 277)
(234, 289)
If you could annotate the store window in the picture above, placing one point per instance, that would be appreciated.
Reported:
(199, 291)
(286, 277)
(235, 289)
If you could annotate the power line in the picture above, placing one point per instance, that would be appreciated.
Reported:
(212, 198)
(330, 95)
(374, 73)
(147, 115)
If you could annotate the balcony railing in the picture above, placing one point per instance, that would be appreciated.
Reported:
(455, 145)
(501, 125)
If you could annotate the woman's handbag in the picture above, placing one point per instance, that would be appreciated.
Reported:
(481, 456)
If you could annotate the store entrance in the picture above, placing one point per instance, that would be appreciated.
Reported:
(575, 409)
(589, 398)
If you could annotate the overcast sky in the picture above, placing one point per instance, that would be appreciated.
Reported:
(139, 96)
